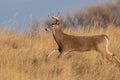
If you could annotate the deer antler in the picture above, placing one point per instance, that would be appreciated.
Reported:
(55, 17)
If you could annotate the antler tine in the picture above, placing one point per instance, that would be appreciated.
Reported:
(58, 14)
(54, 17)
(48, 15)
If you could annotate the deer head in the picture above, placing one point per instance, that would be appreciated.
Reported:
(53, 23)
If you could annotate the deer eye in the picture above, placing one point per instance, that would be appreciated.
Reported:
(52, 23)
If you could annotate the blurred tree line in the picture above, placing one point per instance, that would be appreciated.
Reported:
(97, 15)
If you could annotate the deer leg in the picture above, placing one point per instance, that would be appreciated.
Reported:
(62, 54)
(104, 51)
(56, 50)
(100, 53)
(65, 53)
(109, 55)
(99, 58)
(113, 56)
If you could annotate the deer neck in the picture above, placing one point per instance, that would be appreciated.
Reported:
(58, 36)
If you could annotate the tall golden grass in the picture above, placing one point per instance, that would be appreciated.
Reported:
(23, 57)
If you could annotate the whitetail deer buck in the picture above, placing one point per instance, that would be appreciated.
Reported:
(67, 43)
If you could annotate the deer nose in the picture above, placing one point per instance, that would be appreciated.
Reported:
(46, 29)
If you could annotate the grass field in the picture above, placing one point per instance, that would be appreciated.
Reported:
(23, 57)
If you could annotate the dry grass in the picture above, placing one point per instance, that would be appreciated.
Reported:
(23, 57)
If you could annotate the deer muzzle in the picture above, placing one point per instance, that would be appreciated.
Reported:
(46, 29)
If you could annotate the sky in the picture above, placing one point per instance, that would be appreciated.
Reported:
(18, 10)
